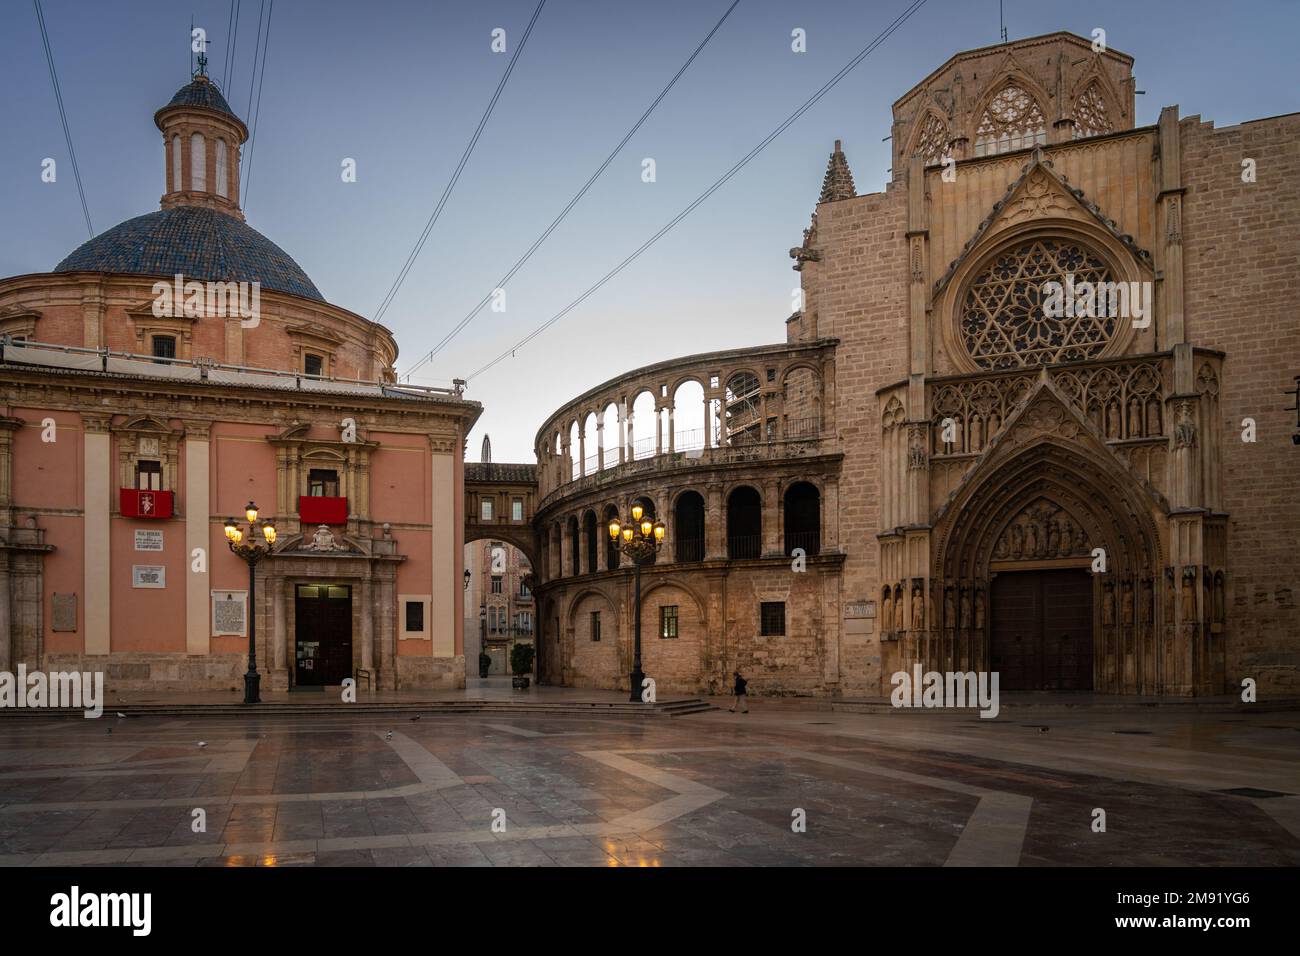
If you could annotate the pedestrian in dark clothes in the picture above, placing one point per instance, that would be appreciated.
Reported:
(739, 691)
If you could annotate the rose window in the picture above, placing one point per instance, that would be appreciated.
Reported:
(1012, 121)
(1003, 321)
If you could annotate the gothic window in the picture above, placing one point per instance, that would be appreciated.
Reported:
(1011, 121)
(932, 143)
(1090, 117)
(1003, 323)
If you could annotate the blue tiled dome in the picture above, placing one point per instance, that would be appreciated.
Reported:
(201, 93)
(197, 242)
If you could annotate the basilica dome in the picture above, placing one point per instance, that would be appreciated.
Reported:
(200, 231)
(197, 242)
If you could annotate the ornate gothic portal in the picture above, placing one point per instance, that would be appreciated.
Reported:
(1013, 586)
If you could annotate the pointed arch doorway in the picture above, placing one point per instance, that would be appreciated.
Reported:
(1015, 552)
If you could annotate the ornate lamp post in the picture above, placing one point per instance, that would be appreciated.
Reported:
(639, 540)
(252, 551)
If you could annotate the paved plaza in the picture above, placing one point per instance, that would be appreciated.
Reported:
(707, 789)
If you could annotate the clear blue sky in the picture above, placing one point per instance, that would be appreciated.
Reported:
(399, 85)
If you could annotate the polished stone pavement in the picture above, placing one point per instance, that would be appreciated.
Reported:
(707, 789)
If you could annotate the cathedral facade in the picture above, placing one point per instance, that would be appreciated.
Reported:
(1029, 419)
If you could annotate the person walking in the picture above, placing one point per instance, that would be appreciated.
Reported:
(739, 691)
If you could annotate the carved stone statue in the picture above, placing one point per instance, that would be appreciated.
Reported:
(899, 609)
(1169, 595)
(1031, 539)
(1185, 429)
(323, 540)
(1108, 605)
(1189, 596)
(965, 607)
(1144, 604)
(1054, 539)
(918, 610)
(887, 610)
(1126, 604)
(949, 606)
(979, 609)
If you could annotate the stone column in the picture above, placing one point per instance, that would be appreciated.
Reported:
(672, 432)
(197, 506)
(368, 615)
(622, 432)
(6, 625)
(582, 450)
(98, 474)
(771, 519)
(600, 443)
(715, 525)
(708, 425)
(279, 626)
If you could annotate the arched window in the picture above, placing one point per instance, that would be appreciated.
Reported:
(803, 518)
(1090, 115)
(688, 527)
(198, 164)
(932, 141)
(1007, 317)
(223, 170)
(744, 409)
(176, 163)
(648, 511)
(1012, 120)
(744, 524)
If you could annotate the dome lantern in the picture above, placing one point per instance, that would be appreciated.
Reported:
(202, 138)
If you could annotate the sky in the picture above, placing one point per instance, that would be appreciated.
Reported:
(399, 86)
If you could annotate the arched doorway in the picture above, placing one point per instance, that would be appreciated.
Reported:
(1047, 568)
(803, 518)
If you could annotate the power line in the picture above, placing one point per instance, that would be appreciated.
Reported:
(446, 193)
(225, 63)
(63, 116)
(247, 178)
(228, 75)
(744, 161)
(256, 47)
(574, 201)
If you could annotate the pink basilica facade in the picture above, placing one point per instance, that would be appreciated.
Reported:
(132, 428)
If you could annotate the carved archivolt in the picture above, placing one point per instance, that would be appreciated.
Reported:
(1043, 530)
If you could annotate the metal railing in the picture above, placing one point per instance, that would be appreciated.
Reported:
(810, 541)
(743, 546)
(26, 352)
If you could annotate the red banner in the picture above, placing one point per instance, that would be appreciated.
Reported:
(322, 510)
(145, 504)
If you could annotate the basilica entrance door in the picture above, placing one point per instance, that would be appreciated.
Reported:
(322, 635)
(1042, 630)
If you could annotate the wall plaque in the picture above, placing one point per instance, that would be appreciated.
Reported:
(148, 576)
(146, 540)
(64, 612)
(854, 609)
(229, 613)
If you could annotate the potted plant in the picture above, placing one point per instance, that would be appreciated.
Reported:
(484, 663)
(521, 662)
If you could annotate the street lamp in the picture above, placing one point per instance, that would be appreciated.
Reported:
(640, 539)
(252, 551)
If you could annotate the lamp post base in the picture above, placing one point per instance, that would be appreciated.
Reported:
(636, 678)
(252, 684)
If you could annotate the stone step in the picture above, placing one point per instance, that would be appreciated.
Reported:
(672, 708)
